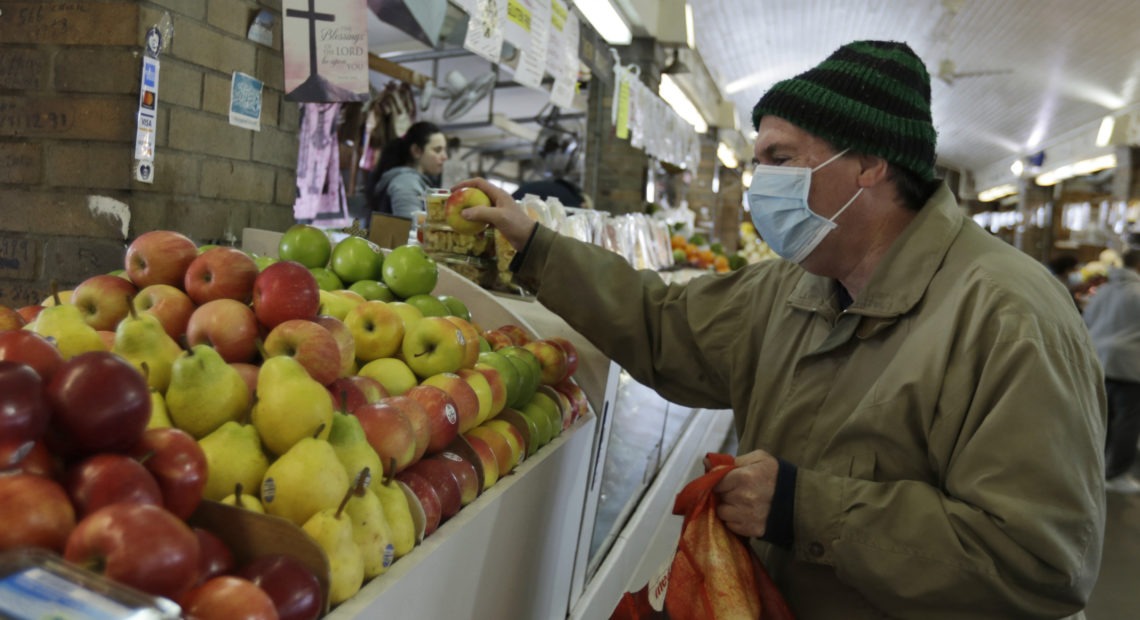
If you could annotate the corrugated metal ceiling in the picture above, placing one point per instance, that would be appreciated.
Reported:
(1059, 64)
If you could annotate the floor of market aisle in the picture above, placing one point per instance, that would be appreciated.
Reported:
(1117, 592)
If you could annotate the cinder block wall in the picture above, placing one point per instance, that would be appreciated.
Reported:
(69, 79)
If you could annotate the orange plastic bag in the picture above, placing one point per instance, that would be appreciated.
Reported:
(714, 575)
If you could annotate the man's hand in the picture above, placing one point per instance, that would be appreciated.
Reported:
(745, 493)
(505, 214)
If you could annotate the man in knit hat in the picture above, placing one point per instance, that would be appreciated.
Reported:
(919, 408)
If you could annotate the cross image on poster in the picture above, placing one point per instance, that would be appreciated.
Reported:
(326, 50)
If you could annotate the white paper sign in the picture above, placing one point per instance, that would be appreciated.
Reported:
(532, 61)
(566, 80)
(485, 29)
(517, 28)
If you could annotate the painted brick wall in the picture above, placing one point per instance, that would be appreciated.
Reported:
(69, 74)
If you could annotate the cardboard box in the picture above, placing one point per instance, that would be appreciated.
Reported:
(389, 231)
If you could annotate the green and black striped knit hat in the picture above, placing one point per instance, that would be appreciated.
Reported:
(870, 96)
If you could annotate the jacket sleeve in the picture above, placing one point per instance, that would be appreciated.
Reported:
(672, 338)
(980, 538)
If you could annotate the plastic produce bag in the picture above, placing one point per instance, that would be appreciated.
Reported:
(714, 575)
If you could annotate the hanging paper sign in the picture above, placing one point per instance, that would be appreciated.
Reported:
(517, 28)
(147, 118)
(556, 39)
(485, 29)
(532, 61)
(245, 101)
(326, 51)
(621, 127)
(566, 79)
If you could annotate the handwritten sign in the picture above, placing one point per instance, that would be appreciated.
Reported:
(20, 162)
(326, 50)
(22, 69)
(69, 23)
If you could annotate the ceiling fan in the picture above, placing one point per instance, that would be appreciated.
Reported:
(948, 72)
(462, 94)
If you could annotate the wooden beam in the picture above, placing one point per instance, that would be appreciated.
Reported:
(400, 72)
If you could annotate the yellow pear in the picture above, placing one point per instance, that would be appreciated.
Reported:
(64, 324)
(290, 404)
(159, 416)
(305, 480)
(351, 445)
(244, 500)
(233, 457)
(205, 392)
(331, 529)
(140, 339)
(401, 526)
(370, 528)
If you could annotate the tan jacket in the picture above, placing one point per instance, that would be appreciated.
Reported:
(948, 426)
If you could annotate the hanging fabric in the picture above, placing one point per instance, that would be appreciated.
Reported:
(320, 198)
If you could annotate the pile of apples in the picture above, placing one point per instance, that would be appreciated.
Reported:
(365, 415)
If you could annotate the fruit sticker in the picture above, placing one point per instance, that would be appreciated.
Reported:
(451, 456)
(268, 490)
(389, 555)
(459, 338)
(452, 415)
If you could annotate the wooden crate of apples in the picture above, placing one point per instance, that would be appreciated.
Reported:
(329, 388)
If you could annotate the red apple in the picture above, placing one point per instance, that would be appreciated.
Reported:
(498, 388)
(169, 304)
(310, 344)
(457, 202)
(465, 474)
(220, 273)
(294, 589)
(214, 557)
(470, 340)
(418, 416)
(429, 499)
(388, 432)
(354, 391)
(478, 383)
(497, 443)
(228, 326)
(226, 598)
(178, 464)
(103, 300)
(571, 355)
(248, 374)
(283, 291)
(100, 403)
(159, 257)
(29, 313)
(551, 358)
(106, 479)
(10, 319)
(25, 347)
(27, 457)
(487, 459)
(462, 394)
(442, 415)
(140, 545)
(516, 333)
(108, 339)
(24, 412)
(344, 341)
(34, 512)
(446, 485)
(497, 339)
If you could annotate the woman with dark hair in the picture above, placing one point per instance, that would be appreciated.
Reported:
(406, 170)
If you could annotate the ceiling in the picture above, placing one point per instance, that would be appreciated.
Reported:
(1062, 64)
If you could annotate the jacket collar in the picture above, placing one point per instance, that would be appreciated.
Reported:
(906, 270)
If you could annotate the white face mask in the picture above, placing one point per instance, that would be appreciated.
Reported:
(778, 201)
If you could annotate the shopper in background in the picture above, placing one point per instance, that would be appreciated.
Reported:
(409, 166)
(920, 411)
(1067, 269)
(1113, 317)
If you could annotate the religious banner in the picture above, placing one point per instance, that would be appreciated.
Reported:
(326, 50)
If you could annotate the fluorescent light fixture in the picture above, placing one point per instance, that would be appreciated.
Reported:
(680, 102)
(994, 193)
(726, 156)
(1104, 135)
(1017, 167)
(604, 17)
(690, 36)
(1083, 167)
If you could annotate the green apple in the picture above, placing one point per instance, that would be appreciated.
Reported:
(263, 261)
(202, 249)
(456, 307)
(484, 346)
(433, 346)
(536, 429)
(305, 244)
(542, 420)
(428, 305)
(552, 410)
(372, 290)
(530, 373)
(336, 305)
(326, 279)
(355, 259)
(507, 372)
(392, 373)
(408, 271)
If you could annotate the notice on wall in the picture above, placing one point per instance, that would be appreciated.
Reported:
(147, 124)
(485, 29)
(532, 60)
(245, 101)
(326, 51)
(566, 78)
(622, 102)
